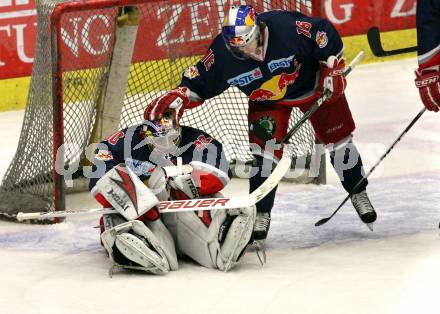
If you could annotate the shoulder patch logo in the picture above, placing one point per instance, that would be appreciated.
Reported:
(113, 139)
(304, 28)
(191, 72)
(202, 142)
(104, 155)
(208, 60)
(321, 39)
(246, 78)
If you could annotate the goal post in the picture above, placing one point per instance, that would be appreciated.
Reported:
(97, 64)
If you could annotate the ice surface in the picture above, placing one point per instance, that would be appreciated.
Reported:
(340, 267)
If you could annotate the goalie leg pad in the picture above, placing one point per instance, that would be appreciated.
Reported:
(134, 244)
(210, 246)
(237, 237)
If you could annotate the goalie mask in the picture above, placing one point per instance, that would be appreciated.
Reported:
(164, 133)
(242, 33)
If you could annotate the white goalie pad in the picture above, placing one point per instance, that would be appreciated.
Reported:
(122, 188)
(209, 246)
(152, 251)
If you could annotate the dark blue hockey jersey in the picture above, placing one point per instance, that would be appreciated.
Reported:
(127, 146)
(428, 32)
(296, 44)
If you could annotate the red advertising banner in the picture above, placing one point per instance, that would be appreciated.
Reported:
(17, 37)
(166, 32)
(355, 17)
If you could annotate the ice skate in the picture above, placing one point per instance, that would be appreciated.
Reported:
(261, 227)
(363, 207)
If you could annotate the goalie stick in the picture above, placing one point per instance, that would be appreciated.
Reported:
(373, 36)
(218, 203)
(324, 220)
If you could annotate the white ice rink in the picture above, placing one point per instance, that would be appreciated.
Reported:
(340, 267)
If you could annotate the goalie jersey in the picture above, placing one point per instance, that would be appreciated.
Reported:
(428, 32)
(295, 45)
(128, 146)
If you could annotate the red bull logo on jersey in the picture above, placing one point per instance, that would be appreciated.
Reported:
(280, 63)
(246, 78)
(276, 87)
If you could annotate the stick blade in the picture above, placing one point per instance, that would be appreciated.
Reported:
(321, 222)
(373, 36)
(375, 42)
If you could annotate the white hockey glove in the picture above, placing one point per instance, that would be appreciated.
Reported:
(125, 192)
(133, 245)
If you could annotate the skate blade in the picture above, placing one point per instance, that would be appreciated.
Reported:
(370, 226)
(114, 268)
(260, 249)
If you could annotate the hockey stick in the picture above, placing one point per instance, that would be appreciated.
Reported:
(373, 36)
(164, 207)
(217, 203)
(324, 220)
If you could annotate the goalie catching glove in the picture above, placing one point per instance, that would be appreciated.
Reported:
(332, 77)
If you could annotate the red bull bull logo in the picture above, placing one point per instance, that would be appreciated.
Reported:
(250, 18)
(276, 87)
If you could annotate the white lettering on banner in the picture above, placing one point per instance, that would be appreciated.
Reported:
(397, 9)
(19, 29)
(72, 40)
(195, 15)
(170, 25)
(17, 14)
(348, 8)
(105, 38)
(8, 3)
(6, 28)
(165, 33)
(5, 3)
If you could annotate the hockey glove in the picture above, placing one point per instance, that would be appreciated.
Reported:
(177, 99)
(332, 77)
(428, 82)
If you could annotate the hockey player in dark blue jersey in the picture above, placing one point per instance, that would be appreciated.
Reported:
(428, 47)
(158, 160)
(279, 59)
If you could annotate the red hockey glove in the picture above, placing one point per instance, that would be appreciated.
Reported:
(332, 77)
(177, 99)
(428, 83)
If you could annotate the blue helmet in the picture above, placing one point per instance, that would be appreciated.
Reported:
(163, 133)
(240, 27)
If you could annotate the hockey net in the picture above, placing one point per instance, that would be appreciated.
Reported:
(91, 53)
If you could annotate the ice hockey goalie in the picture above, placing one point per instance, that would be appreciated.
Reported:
(160, 160)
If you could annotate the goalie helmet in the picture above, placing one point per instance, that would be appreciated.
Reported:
(163, 133)
(241, 32)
